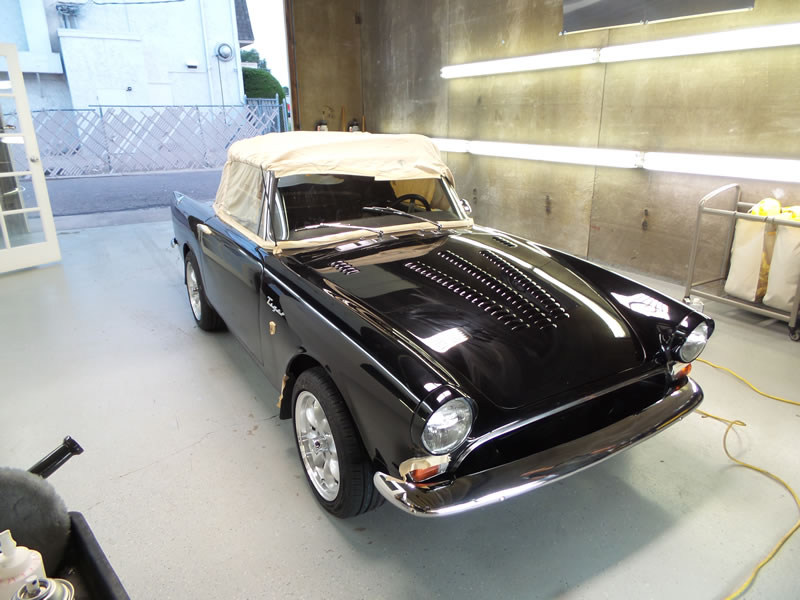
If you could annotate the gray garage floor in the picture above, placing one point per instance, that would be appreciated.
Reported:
(194, 489)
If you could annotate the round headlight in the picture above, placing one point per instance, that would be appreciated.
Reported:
(448, 427)
(694, 344)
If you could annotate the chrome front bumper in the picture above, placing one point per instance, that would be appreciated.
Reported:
(527, 474)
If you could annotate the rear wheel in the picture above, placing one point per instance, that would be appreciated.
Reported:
(335, 463)
(204, 314)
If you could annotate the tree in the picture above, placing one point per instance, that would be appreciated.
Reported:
(259, 83)
(254, 57)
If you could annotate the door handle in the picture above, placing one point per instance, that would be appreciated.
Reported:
(204, 228)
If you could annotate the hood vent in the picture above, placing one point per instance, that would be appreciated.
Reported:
(344, 267)
(495, 309)
(532, 313)
(505, 241)
(526, 283)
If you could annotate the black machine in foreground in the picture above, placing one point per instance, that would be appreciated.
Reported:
(38, 519)
(424, 360)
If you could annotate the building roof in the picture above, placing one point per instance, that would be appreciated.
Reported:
(243, 25)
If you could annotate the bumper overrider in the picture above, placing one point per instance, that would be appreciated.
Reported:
(527, 474)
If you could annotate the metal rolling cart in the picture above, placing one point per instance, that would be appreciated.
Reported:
(712, 289)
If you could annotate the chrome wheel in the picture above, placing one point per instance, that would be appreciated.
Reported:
(317, 447)
(194, 291)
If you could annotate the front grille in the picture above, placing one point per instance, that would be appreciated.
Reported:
(566, 426)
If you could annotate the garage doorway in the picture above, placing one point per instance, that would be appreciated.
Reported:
(27, 231)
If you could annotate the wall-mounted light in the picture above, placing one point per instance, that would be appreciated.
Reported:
(224, 51)
(770, 36)
(537, 62)
(451, 145)
(740, 167)
(603, 157)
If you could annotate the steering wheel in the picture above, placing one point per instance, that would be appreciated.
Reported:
(413, 198)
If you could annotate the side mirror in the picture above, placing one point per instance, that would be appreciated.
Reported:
(466, 206)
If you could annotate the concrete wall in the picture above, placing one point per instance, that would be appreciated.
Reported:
(327, 61)
(734, 103)
(147, 47)
(12, 27)
(24, 24)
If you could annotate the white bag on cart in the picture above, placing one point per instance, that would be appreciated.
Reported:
(750, 260)
(784, 273)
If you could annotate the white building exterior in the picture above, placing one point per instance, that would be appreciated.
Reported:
(80, 53)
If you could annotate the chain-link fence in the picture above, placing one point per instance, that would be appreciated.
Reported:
(129, 139)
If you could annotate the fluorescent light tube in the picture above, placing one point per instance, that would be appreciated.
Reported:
(725, 41)
(736, 167)
(451, 145)
(770, 36)
(553, 60)
(602, 157)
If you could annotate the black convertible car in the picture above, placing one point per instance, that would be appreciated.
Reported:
(437, 364)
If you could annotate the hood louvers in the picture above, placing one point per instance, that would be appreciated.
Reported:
(344, 267)
(495, 309)
(505, 241)
(532, 313)
(526, 283)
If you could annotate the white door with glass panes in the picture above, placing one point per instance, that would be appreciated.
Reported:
(27, 231)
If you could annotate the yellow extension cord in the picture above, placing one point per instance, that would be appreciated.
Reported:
(730, 425)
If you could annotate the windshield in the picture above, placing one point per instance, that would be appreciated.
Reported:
(312, 205)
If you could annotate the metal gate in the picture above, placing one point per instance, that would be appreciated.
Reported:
(131, 139)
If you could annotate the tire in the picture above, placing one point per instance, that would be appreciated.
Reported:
(204, 314)
(333, 459)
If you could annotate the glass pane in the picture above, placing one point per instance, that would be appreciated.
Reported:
(17, 192)
(2, 242)
(5, 84)
(24, 229)
(12, 146)
(9, 121)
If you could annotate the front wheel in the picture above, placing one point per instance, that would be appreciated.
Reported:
(204, 314)
(334, 461)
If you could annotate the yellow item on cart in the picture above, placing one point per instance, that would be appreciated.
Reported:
(791, 212)
(768, 207)
(751, 253)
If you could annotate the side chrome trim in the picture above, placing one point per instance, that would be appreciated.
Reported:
(527, 474)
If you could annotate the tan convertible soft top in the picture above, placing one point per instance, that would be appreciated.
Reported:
(382, 156)
(390, 157)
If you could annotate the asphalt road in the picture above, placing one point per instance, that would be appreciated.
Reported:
(88, 195)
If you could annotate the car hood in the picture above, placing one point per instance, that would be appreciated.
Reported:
(511, 321)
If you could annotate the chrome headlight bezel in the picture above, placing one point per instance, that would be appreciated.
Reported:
(454, 418)
(694, 343)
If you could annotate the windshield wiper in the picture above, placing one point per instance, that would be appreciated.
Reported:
(342, 226)
(393, 211)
